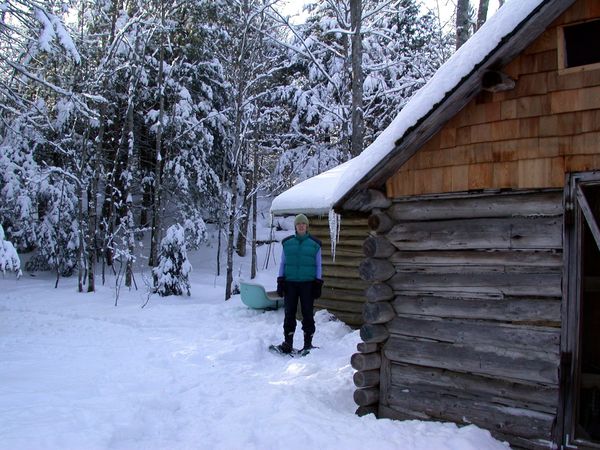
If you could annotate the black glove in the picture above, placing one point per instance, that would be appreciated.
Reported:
(280, 286)
(317, 286)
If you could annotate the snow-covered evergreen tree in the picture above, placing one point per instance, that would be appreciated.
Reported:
(9, 259)
(18, 170)
(173, 269)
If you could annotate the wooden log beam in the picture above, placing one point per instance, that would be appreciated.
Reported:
(379, 292)
(367, 199)
(330, 271)
(366, 397)
(538, 342)
(396, 413)
(479, 234)
(368, 378)
(482, 360)
(336, 305)
(348, 243)
(350, 295)
(465, 284)
(479, 411)
(342, 252)
(353, 320)
(380, 312)
(502, 392)
(373, 333)
(340, 260)
(538, 204)
(374, 269)
(348, 283)
(365, 361)
(344, 233)
(347, 221)
(380, 222)
(479, 258)
(432, 269)
(513, 310)
(378, 247)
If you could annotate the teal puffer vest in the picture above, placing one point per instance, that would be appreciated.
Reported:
(300, 257)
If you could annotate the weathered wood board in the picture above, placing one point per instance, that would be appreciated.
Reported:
(503, 392)
(511, 364)
(479, 234)
(507, 309)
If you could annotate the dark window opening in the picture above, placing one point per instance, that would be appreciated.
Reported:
(582, 44)
(588, 426)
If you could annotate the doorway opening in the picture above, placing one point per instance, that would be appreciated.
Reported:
(582, 406)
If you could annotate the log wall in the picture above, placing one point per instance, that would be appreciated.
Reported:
(463, 314)
(343, 289)
(526, 137)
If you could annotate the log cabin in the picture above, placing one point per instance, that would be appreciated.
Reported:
(483, 297)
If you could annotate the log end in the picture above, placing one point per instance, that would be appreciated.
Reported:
(379, 292)
(373, 269)
(373, 333)
(366, 397)
(376, 313)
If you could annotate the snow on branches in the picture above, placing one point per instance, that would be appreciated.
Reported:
(172, 272)
(9, 259)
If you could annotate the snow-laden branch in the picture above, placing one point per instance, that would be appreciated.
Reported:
(307, 51)
(65, 93)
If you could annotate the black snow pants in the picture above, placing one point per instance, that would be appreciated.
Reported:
(295, 290)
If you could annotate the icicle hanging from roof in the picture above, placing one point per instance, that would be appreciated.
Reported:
(334, 230)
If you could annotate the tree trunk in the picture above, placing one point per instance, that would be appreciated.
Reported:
(254, 213)
(220, 231)
(358, 129)
(230, 238)
(130, 222)
(482, 12)
(242, 238)
(462, 22)
(156, 207)
(92, 241)
(80, 215)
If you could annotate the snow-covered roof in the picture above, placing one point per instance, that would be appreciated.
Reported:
(314, 196)
(321, 193)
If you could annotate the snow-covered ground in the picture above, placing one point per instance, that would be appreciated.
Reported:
(76, 372)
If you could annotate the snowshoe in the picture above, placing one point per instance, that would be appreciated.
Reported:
(282, 350)
(306, 350)
(293, 354)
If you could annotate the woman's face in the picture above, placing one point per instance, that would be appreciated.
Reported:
(301, 228)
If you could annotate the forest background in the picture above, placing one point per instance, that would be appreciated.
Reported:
(127, 119)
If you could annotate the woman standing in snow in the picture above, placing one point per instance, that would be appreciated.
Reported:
(300, 278)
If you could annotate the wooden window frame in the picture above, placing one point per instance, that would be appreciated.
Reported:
(562, 52)
(577, 214)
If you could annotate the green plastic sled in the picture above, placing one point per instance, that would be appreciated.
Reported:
(254, 296)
